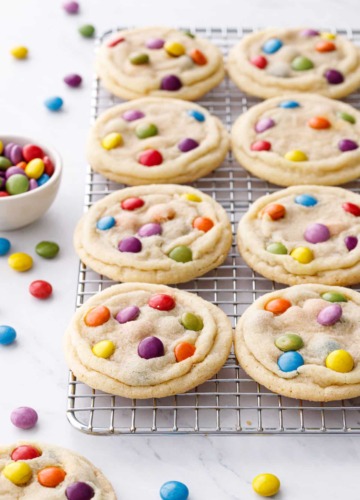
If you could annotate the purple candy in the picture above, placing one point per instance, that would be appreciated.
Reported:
(316, 233)
(151, 347)
(16, 155)
(329, 315)
(7, 149)
(79, 491)
(187, 144)
(309, 32)
(128, 314)
(130, 244)
(33, 184)
(334, 76)
(133, 114)
(71, 7)
(24, 417)
(155, 43)
(73, 80)
(171, 82)
(14, 170)
(150, 229)
(347, 145)
(264, 124)
(351, 242)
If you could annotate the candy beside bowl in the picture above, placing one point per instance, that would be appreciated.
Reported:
(19, 210)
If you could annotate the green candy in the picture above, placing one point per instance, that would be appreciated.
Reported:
(189, 34)
(289, 342)
(301, 63)
(277, 248)
(146, 130)
(17, 184)
(333, 297)
(347, 117)
(181, 254)
(192, 322)
(87, 30)
(47, 249)
(4, 163)
(139, 59)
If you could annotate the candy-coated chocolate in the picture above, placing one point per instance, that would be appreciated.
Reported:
(150, 229)
(3, 194)
(116, 42)
(127, 314)
(333, 297)
(325, 46)
(183, 351)
(132, 115)
(111, 141)
(203, 224)
(145, 130)
(192, 197)
(4, 163)
(302, 254)
(42, 180)
(301, 63)
(14, 170)
(351, 242)
(174, 490)
(187, 144)
(16, 154)
(260, 146)
(259, 61)
(328, 36)
(351, 208)
(296, 155)
(264, 124)
(79, 491)
(277, 306)
(191, 321)
(19, 52)
(272, 45)
(340, 361)
(200, 117)
(277, 248)
(174, 49)
(329, 315)
(309, 32)
(316, 233)
(47, 249)
(347, 117)
(104, 349)
(275, 211)
(40, 289)
(266, 485)
(24, 417)
(319, 123)
(151, 347)
(162, 302)
(130, 244)
(50, 477)
(54, 103)
(7, 335)
(198, 57)
(31, 151)
(289, 342)
(306, 200)
(35, 168)
(139, 58)
(150, 158)
(132, 203)
(17, 184)
(171, 83)
(97, 316)
(106, 223)
(333, 76)
(289, 104)
(87, 30)
(20, 261)
(71, 7)
(5, 246)
(181, 253)
(290, 361)
(18, 473)
(347, 145)
(189, 34)
(155, 43)
(73, 80)
(25, 452)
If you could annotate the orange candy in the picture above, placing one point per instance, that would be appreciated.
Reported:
(325, 46)
(203, 224)
(183, 351)
(97, 316)
(277, 306)
(319, 123)
(275, 211)
(198, 57)
(50, 477)
(22, 164)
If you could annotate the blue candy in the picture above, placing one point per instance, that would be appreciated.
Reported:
(105, 223)
(7, 335)
(290, 361)
(54, 103)
(289, 104)
(4, 246)
(41, 180)
(272, 45)
(306, 200)
(197, 115)
(174, 490)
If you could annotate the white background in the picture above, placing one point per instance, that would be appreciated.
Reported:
(32, 371)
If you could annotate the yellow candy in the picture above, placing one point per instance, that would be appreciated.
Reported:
(296, 155)
(302, 254)
(19, 52)
(35, 168)
(340, 361)
(18, 473)
(20, 262)
(104, 349)
(191, 197)
(175, 49)
(1, 147)
(111, 141)
(328, 36)
(266, 485)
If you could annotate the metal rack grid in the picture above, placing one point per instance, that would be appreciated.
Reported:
(230, 403)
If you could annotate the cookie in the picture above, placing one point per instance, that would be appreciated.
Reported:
(159, 62)
(303, 342)
(30, 471)
(155, 234)
(154, 140)
(274, 61)
(299, 139)
(147, 341)
(303, 234)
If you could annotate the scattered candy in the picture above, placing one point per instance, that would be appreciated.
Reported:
(47, 249)
(19, 52)
(198, 57)
(150, 158)
(7, 335)
(171, 83)
(347, 145)
(329, 315)
(260, 146)
(50, 477)
(275, 211)
(150, 229)
(264, 124)
(132, 115)
(18, 473)
(104, 349)
(87, 30)
(5, 246)
(181, 253)
(302, 254)
(340, 361)
(290, 361)
(151, 347)
(25, 452)
(328, 36)
(347, 117)
(333, 297)
(132, 203)
(197, 115)
(309, 32)
(183, 351)
(79, 491)
(289, 342)
(20, 261)
(272, 45)
(174, 49)
(155, 43)
(174, 490)
(316, 233)
(97, 316)
(116, 42)
(105, 223)
(306, 200)
(130, 313)
(192, 322)
(71, 7)
(187, 144)
(112, 141)
(319, 123)
(301, 63)
(325, 46)
(277, 306)
(162, 302)
(17, 184)
(351, 242)
(266, 485)
(259, 61)
(203, 224)
(296, 155)
(54, 103)
(24, 417)
(145, 130)
(277, 248)
(73, 80)
(139, 58)
(351, 208)
(334, 76)
(289, 104)
(130, 244)
(40, 289)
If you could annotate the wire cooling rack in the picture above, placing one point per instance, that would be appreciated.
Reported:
(230, 403)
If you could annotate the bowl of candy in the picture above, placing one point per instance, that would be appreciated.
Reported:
(30, 174)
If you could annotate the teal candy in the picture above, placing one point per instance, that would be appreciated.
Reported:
(306, 200)
(290, 361)
(197, 115)
(105, 223)
(272, 45)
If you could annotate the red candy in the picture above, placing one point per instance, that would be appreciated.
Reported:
(3, 193)
(260, 146)
(259, 61)
(31, 151)
(49, 166)
(115, 42)
(40, 289)
(132, 203)
(25, 452)
(351, 208)
(150, 158)
(162, 302)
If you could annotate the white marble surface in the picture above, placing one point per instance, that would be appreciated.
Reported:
(33, 371)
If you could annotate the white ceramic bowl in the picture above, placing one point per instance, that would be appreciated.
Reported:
(22, 209)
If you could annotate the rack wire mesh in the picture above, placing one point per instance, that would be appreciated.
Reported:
(231, 402)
